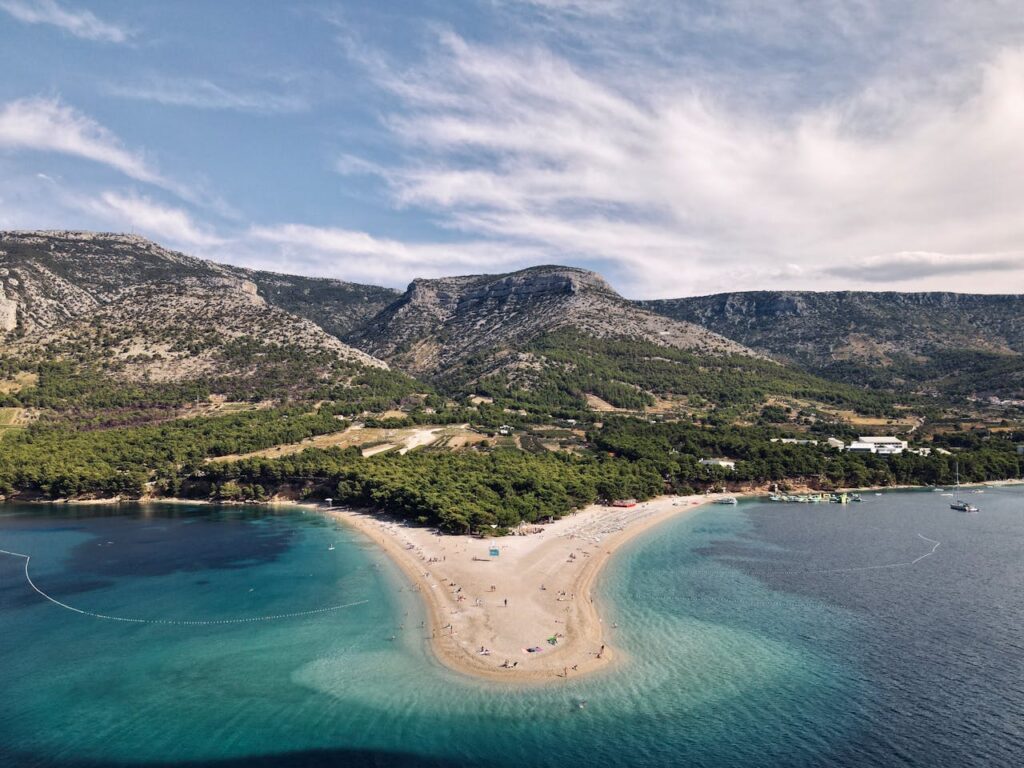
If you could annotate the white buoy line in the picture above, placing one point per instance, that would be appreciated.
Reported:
(935, 545)
(174, 622)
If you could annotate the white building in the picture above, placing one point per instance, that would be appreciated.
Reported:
(729, 464)
(884, 445)
(887, 444)
(835, 442)
(859, 446)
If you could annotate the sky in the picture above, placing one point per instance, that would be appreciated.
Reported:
(678, 148)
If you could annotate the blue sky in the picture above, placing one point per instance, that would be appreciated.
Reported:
(678, 148)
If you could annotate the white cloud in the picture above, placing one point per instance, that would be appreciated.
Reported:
(903, 267)
(47, 125)
(80, 23)
(205, 94)
(145, 216)
(600, 8)
(674, 185)
(358, 255)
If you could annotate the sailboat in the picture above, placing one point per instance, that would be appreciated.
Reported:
(958, 504)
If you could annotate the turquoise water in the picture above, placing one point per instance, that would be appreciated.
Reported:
(761, 634)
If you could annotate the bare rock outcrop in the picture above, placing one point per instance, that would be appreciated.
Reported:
(155, 313)
(438, 323)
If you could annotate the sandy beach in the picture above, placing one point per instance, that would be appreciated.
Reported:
(487, 611)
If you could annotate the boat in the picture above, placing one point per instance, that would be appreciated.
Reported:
(959, 504)
(811, 498)
(330, 548)
(726, 500)
(963, 506)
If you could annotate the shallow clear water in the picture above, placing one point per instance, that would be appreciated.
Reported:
(760, 634)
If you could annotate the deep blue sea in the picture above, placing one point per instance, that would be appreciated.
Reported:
(887, 633)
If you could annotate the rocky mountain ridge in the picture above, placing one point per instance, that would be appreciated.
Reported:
(884, 338)
(441, 322)
(154, 313)
(142, 309)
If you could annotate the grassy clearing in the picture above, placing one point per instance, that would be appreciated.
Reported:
(848, 416)
(595, 403)
(851, 417)
(14, 420)
(16, 417)
(218, 405)
(372, 440)
(18, 382)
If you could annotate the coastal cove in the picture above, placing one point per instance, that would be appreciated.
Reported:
(748, 633)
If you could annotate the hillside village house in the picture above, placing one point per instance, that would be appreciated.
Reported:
(729, 464)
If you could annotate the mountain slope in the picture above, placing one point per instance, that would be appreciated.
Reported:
(438, 324)
(336, 306)
(158, 313)
(957, 343)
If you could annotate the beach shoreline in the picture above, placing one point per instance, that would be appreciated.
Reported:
(539, 587)
(484, 611)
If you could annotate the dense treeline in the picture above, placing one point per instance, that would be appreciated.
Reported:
(75, 449)
(59, 462)
(674, 450)
(625, 371)
(86, 397)
(460, 492)
(66, 386)
(953, 373)
(84, 392)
